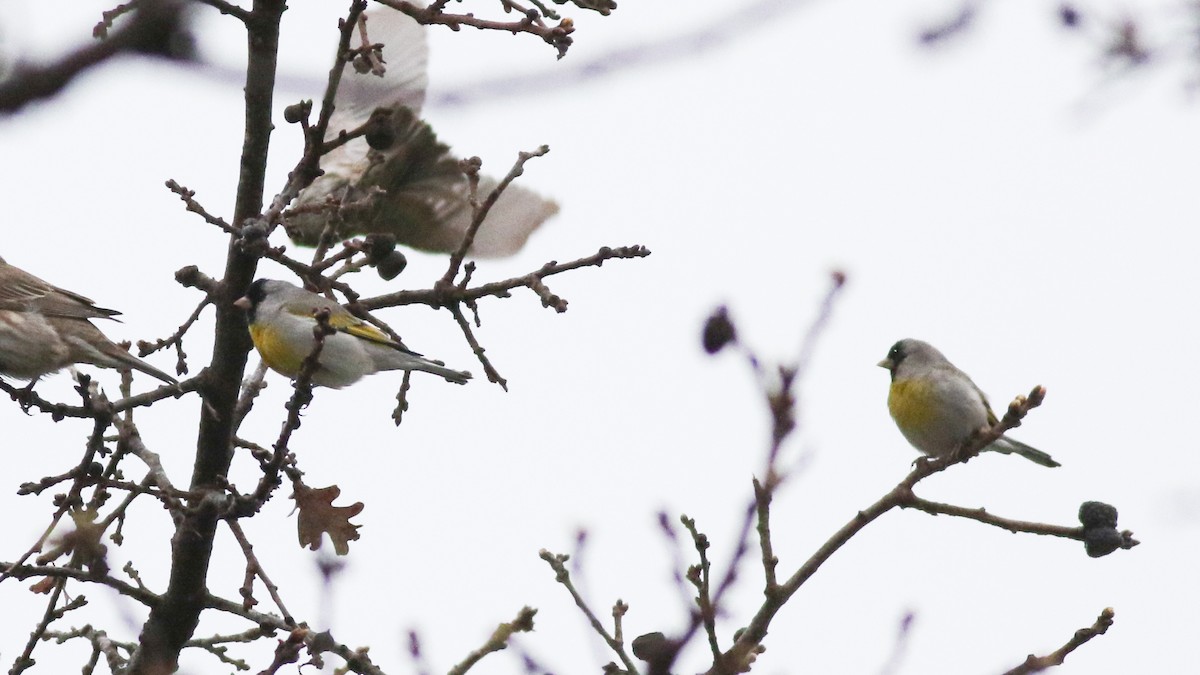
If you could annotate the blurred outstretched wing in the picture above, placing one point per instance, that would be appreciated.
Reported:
(412, 189)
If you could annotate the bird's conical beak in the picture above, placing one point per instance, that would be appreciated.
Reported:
(886, 363)
(243, 303)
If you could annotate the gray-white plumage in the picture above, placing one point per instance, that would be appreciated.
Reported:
(937, 407)
(282, 317)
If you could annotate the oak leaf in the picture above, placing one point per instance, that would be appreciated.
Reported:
(319, 516)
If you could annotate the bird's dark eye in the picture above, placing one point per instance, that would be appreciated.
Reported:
(896, 354)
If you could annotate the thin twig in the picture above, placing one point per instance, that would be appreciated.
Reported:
(102, 644)
(302, 395)
(981, 515)
(749, 642)
(255, 568)
(127, 590)
(145, 32)
(102, 414)
(1036, 664)
(52, 613)
(188, 197)
(493, 375)
(228, 8)
(445, 295)
(250, 391)
(481, 210)
(700, 576)
(308, 168)
(59, 411)
(146, 348)
(781, 402)
(498, 640)
(562, 576)
(558, 36)
(762, 500)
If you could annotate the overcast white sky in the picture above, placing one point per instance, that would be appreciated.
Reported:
(999, 196)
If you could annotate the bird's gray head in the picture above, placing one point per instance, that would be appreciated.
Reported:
(254, 296)
(910, 350)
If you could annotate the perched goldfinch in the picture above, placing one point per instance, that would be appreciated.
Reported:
(282, 317)
(44, 329)
(937, 407)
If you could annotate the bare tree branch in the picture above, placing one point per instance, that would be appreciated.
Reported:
(562, 576)
(174, 619)
(498, 640)
(558, 36)
(150, 30)
(1036, 664)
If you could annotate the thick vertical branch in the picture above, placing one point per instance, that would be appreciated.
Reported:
(214, 445)
(174, 619)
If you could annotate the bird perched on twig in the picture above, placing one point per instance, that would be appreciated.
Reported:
(937, 407)
(44, 328)
(282, 317)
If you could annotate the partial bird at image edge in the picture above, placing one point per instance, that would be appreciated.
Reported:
(44, 328)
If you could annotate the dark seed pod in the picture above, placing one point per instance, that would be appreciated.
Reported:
(655, 649)
(1069, 16)
(718, 331)
(1098, 514)
(1100, 541)
(297, 112)
(377, 246)
(391, 266)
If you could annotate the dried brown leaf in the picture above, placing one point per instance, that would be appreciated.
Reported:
(319, 516)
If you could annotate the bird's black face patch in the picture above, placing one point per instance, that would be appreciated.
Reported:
(897, 354)
(255, 294)
(257, 291)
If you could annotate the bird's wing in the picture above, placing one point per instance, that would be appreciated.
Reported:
(364, 330)
(403, 81)
(991, 416)
(26, 292)
(343, 321)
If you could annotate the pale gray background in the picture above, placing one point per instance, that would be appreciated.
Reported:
(1002, 196)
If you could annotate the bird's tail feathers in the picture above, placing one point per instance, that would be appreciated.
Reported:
(451, 375)
(1008, 446)
(119, 358)
(397, 359)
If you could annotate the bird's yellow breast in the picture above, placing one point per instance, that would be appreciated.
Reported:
(912, 404)
(275, 351)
